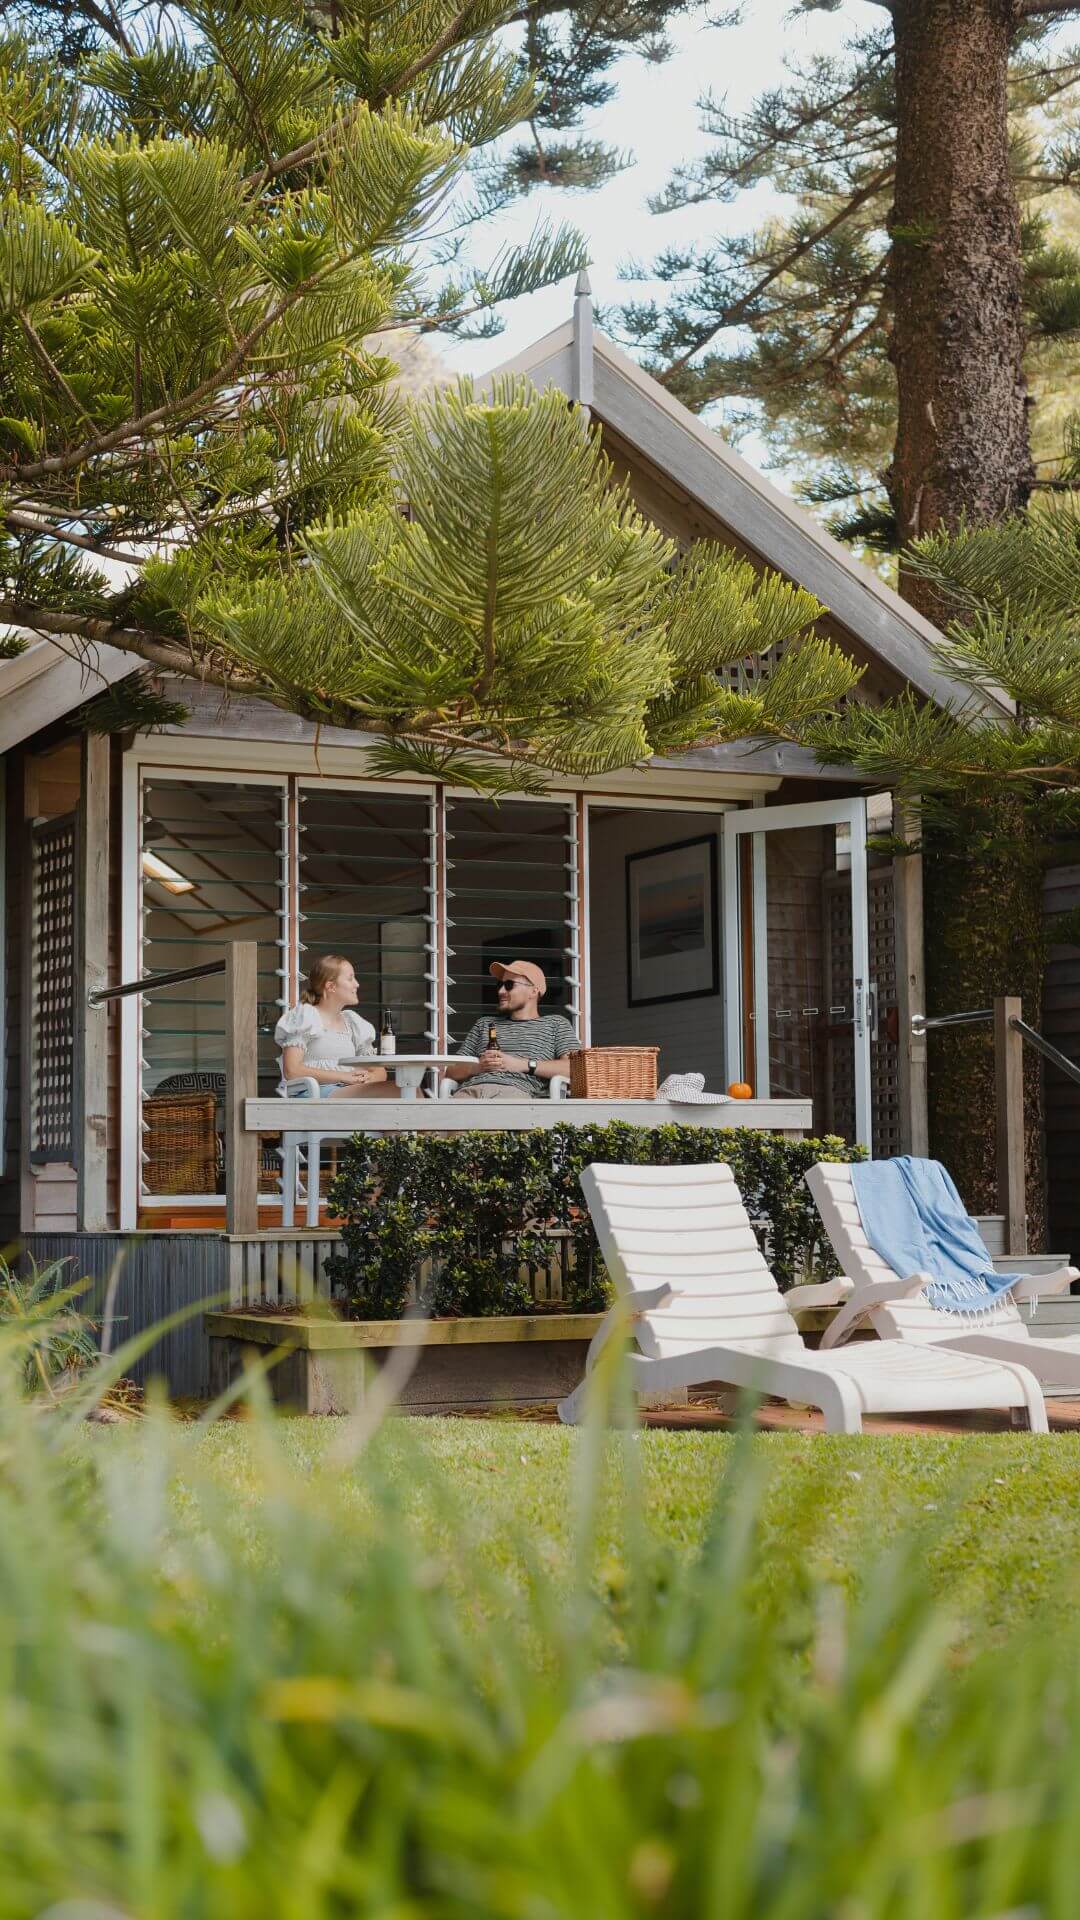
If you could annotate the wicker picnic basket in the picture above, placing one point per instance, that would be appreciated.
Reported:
(180, 1142)
(613, 1073)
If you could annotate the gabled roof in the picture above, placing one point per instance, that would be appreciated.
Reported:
(589, 369)
(46, 683)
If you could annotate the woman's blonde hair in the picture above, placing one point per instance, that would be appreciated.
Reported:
(322, 971)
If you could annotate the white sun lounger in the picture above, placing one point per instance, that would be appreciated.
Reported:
(681, 1252)
(895, 1309)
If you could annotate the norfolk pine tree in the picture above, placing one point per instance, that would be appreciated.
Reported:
(200, 239)
(887, 332)
(999, 797)
(930, 265)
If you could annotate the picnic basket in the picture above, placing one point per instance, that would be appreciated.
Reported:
(613, 1073)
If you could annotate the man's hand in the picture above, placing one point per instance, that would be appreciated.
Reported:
(493, 1060)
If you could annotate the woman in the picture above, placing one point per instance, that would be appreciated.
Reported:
(323, 1032)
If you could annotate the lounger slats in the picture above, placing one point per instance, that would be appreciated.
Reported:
(709, 1175)
(695, 1218)
(726, 1319)
(695, 1269)
(732, 1239)
(834, 1191)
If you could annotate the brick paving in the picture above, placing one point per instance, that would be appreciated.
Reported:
(706, 1411)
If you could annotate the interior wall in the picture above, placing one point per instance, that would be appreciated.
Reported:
(689, 1033)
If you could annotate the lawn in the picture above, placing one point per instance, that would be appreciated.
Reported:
(999, 1512)
(495, 1670)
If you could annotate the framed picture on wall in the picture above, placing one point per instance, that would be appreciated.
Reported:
(671, 945)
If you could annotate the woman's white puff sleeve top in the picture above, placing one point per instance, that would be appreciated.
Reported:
(325, 1046)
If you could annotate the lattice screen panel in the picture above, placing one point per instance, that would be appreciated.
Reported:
(54, 849)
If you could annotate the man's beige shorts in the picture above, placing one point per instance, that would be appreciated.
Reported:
(494, 1092)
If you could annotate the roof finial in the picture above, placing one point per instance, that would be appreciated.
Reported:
(581, 376)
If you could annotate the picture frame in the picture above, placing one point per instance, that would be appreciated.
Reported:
(672, 951)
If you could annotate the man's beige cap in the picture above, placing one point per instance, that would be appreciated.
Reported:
(520, 970)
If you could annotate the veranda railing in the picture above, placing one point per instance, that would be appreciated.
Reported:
(1011, 1034)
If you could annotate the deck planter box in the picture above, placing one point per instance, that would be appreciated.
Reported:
(525, 1360)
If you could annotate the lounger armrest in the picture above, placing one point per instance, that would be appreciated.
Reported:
(1042, 1286)
(825, 1293)
(864, 1300)
(646, 1299)
(630, 1306)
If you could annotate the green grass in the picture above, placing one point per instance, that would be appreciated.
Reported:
(1002, 1510)
(465, 1670)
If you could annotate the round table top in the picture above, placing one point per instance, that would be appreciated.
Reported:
(411, 1060)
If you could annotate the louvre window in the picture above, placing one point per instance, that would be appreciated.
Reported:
(214, 863)
(512, 893)
(366, 879)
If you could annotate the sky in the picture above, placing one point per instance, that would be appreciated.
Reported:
(654, 115)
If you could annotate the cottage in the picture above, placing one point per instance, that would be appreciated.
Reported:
(720, 905)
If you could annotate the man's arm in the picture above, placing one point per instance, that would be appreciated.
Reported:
(545, 1069)
(464, 1069)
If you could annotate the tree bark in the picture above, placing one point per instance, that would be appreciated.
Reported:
(957, 343)
(983, 881)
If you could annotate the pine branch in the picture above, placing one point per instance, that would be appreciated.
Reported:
(747, 301)
(321, 143)
(47, 530)
(187, 404)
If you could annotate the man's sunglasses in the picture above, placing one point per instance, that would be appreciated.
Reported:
(507, 986)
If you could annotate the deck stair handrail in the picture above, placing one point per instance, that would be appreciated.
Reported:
(150, 981)
(1011, 1033)
(920, 1023)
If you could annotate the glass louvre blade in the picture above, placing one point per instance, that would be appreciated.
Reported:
(366, 886)
(511, 880)
(229, 842)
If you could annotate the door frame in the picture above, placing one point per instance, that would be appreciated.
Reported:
(758, 821)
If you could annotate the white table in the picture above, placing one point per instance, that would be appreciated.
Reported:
(409, 1068)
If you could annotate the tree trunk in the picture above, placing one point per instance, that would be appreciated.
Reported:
(957, 343)
(983, 883)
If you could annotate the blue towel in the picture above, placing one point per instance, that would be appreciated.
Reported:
(914, 1218)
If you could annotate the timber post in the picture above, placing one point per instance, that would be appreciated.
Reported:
(910, 986)
(1009, 1080)
(92, 974)
(241, 1084)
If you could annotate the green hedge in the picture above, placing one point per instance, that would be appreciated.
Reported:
(473, 1209)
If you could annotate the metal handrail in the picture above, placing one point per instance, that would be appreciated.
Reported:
(920, 1024)
(1067, 1067)
(150, 981)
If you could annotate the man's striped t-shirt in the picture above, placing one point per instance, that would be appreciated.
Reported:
(550, 1037)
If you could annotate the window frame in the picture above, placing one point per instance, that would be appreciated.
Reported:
(234, 763)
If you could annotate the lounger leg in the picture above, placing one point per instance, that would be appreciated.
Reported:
(840, 1405)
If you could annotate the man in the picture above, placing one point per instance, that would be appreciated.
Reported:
(532, 1048)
